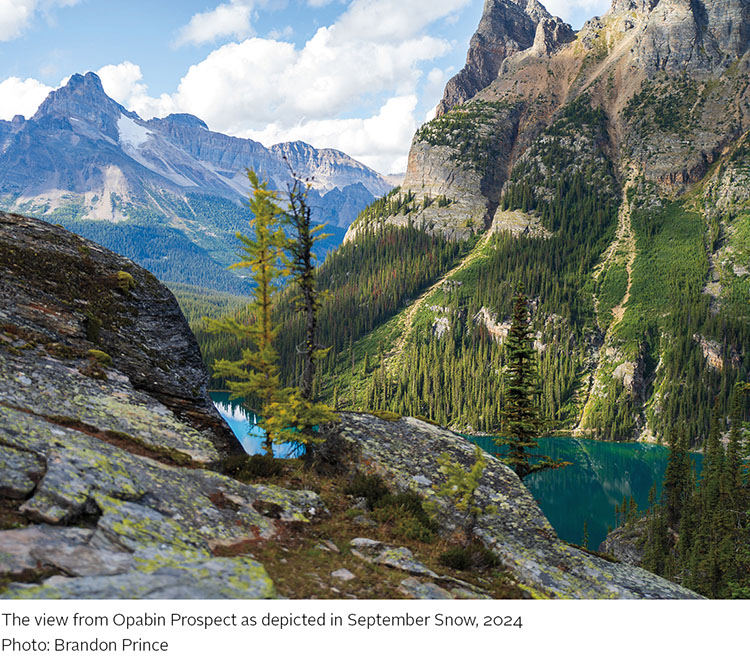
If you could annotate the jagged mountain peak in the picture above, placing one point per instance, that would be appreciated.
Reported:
(506, 27)
(83, 98)
(536, 10)
(81, 91)
(185, 119)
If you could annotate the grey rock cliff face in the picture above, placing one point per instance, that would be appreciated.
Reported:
(701, 38)
(506, 27)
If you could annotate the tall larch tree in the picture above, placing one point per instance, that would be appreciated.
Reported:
(256, 374)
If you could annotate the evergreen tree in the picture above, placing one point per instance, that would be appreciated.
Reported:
(301, 263)
(521, 423)
(520, 418)
(677, 478)
(256, 374)
(460, 488)
(712, 517)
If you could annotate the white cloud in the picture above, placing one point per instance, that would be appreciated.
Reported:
(123, 83)
(435, 84)
(394, 20)
(272, 90)
(231, 19)
(227, 20)
(259, 81)
(571, 10)
(16, 15)
(285, 33)
(21, 97)
(431, 114)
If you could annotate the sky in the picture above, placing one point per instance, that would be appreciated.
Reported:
(357, 75)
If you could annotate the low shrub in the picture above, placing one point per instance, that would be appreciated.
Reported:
(371, 487)
(251, 467)
(473, 556)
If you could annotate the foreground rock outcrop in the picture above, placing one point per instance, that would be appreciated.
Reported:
(405, 453)
(107, 436)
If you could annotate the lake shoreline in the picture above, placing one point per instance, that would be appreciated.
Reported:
(600, 475)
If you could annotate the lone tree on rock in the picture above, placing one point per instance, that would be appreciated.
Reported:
(521, 421)
(288, 414)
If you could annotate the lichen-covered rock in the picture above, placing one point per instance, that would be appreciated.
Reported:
(400, 558)
(516, 530)
(144, 513)
(626, 543)
(19, 472)
(235, 578)
(62, 297)
(107, 437)
(421, 590)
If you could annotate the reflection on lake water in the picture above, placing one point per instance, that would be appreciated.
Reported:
(245, 427)
(600, 476)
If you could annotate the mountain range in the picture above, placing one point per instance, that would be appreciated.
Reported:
(606, 171)
(166, 187)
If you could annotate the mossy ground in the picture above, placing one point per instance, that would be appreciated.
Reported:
(301, 564)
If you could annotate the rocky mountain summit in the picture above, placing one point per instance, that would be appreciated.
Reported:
(143, 187)
(109, 450)
(601, 145)
(507, 27)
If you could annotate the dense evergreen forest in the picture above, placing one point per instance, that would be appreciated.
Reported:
(455, 379)
(698, 533)
(368, 281)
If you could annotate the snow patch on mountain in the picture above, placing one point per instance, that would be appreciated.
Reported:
(131, 133)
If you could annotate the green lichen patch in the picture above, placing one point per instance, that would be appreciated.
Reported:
(125, 281)
(101, 357)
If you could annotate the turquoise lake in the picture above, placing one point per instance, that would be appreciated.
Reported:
(600, 474)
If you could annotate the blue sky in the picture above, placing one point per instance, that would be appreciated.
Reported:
(358, 75)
